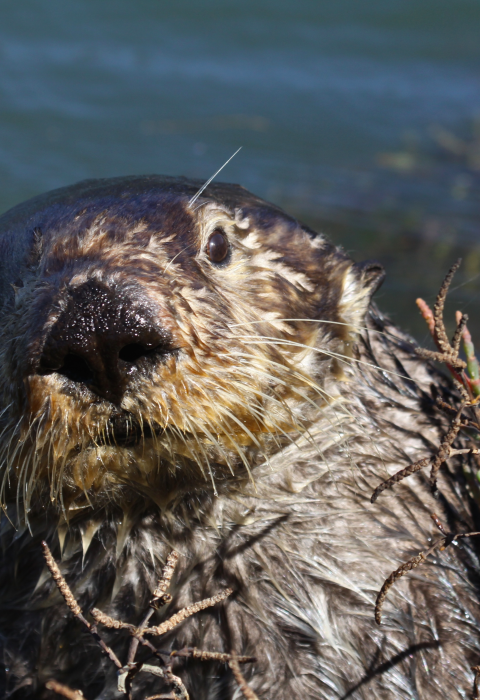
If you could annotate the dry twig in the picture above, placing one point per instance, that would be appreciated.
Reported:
(128, 671)
(190, 610)
(64, 690)
(73, 605)
(476, 683)
(441, 544)
(160, 598)
(402, 474)
(466, 378)
(468, 385)
(194, 653)
(247, 692)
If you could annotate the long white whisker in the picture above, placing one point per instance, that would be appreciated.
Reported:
(310, 320)
(259, 340)
(304, 430)
(292, 373)
(203, 187)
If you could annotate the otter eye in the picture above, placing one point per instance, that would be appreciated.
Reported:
(217, 247)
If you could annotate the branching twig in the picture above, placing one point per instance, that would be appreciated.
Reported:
(476, 683)
(466, 378)
(399, 476)
(194, 653)
(164, 582)
(440, 332)
(160, 598)
(73, 605)
(444, 451)
(247, 692)
(64, 690)
(442, 544)
(128, 672)
(190, 610)
(448, 353)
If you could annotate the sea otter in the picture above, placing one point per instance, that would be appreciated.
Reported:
(199, 372)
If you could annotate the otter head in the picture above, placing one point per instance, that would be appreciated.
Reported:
(158, 343)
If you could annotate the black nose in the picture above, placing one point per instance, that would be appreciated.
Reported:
(101, 339)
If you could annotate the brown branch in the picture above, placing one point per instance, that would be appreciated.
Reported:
(445, 447)
(399, 476)
(180, 692)
(128, 671)
(64, 690)
(160, 598)
(247, 692)
(449, 358)
(443, 453)
(414, 562)
(465, 451)
(440, 332)
(476, 683)
(61, 583)
(457, 337)
(102, 619)
(439, 524)
(73, 605)
(466, 423)
(460, 386)
(194, 653)
(164, 582)
(190, 610)
(394, 576)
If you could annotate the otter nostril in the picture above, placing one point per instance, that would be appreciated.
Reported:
(133, 352)
(76, 369)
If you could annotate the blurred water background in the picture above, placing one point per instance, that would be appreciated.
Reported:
(362, 118)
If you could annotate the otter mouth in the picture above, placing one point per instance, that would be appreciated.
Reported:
(124, 430)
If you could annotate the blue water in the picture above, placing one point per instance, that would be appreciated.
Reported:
(316, 93)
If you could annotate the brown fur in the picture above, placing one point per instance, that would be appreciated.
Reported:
(257, 438)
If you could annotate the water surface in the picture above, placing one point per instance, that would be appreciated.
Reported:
(360, 117)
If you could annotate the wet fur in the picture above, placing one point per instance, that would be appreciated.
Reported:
(263, 439)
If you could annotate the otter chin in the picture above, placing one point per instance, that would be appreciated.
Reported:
(194, 369)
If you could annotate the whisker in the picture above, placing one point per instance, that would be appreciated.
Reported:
(259, 340)
(304, 430)
(291, 373)
(203, 187)
(203, 451)
(182, 437)
(311, 320)
(216, 442)
(170, 262)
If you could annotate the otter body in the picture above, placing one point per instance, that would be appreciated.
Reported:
(200, 374)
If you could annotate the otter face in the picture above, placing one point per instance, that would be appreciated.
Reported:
(162, 346)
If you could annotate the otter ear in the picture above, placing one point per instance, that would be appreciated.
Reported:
(371, 275)
(360, 283)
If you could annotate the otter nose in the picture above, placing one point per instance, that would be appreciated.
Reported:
(101, 339)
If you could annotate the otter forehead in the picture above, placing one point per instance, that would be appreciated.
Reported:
(146, 205)
(138, 224)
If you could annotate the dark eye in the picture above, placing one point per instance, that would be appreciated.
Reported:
(217, 247)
